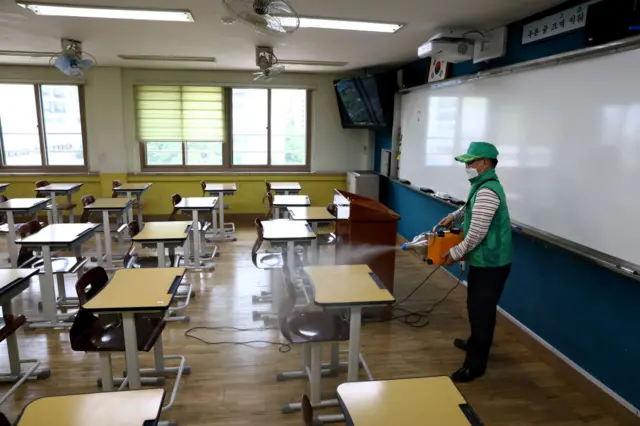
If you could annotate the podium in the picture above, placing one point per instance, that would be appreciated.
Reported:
(366, 234)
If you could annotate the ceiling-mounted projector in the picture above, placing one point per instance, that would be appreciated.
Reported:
(451, 44)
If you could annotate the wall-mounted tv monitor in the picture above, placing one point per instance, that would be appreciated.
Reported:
(360, 103)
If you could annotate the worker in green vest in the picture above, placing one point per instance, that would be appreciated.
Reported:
(486, 248)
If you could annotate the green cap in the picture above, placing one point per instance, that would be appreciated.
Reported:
(478, 150)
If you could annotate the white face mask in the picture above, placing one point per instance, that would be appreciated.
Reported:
(471, 173)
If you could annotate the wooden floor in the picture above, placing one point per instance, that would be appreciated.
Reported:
(235, 385)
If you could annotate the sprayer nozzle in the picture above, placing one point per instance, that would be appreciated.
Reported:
(404, 247)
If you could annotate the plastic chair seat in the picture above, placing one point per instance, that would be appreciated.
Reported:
(92, 336)
(145, 262)
(61, 206)
(60, 265)
(269, 261)
(326, 239)
(315, 327)
(4, 227)
(11, 325)
(204, 227)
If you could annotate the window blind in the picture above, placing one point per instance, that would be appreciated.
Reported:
(180, 113)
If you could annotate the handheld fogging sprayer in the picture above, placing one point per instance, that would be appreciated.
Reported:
(435, 243)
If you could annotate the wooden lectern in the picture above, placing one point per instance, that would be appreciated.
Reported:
(366, 234)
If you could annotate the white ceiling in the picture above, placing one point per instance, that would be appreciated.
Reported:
(234, 45)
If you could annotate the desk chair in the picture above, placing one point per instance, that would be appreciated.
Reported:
(271, 260)
(311, 329)
(203, 225)
(4, 421)
(307, 411)
(203, 185)
(267, 200)
(60, 265)
(62, 207)
(117, 230)
(105, 334)
(133, 260)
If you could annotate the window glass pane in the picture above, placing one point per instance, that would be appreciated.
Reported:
(288, 127)
(204, 153)
(19, 125)
(250, 118)
(164, 153)
(62, 125)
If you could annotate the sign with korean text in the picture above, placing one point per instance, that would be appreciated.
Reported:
(562, 22)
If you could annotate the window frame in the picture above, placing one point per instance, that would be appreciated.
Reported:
(37, 88)
(227, 143)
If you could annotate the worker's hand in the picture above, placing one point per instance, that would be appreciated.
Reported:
(447, 222)
(447, 260)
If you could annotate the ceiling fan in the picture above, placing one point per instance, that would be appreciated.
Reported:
(271, 17)
(268, 63)
(72, 60)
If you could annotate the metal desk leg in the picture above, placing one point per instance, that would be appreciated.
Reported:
(99, 250)
(107, 238)
(291, 256)
(54, 208)
(195, 229)
(131, 350)
(13, 250)
(214, 223)
(139, 199)
(221, 207)
(160, 250)
(69, 201)
(315, 247)
(276, 212)
(354, 343)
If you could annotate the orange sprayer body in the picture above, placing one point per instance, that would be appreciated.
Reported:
(441, 242)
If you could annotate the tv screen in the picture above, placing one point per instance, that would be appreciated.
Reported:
(359, 103)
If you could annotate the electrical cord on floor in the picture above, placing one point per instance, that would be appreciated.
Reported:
(282, 347)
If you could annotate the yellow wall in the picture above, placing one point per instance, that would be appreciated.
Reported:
(157, 199)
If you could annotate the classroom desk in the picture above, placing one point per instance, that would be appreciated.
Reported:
(313, 215)
(407, 402)
(29, 206)
(285, 188)
(221, 189)
(59, 236)
(4, 186)
(12, 283)
(349, 286)
(135, 189)
(127, 408)
(55, 189)
(120, 206)
(285, 201)
(289, 232)
(195, 205)
(132, 291)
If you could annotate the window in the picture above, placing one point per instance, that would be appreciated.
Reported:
(269, 128)
(187, 127)
(181, 126)
(40, 130)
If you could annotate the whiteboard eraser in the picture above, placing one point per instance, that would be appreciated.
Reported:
(404, 181)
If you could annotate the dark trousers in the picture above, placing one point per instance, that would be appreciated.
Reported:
(484, 289)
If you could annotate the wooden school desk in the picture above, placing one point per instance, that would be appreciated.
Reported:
(195, 205)
(285, 188)
(12, 283)
(352, 287)
(313, 215)
(127, 408)
(28, 206)
(59, 236)
(4, 186)
(119, 206)
(135, 189)
(220, 190)
(55, 189)
(132, 291)
(284, 201)
(407, 402)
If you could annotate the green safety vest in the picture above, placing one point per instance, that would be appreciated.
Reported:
(495, 249)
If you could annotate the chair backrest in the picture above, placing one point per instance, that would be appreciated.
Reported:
(24, 231)
(2, 200)
(4, 421)
(116, 183)
(90, 283)
(269, 198)
(307, 411)
(268, 185)
(86, 200)
(175, 199)
(134, 228)
(40, 184)
(203, 185)
(258, 243)
(287, 304)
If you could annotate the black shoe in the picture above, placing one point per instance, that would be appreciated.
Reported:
(465, 375)
(460, 344)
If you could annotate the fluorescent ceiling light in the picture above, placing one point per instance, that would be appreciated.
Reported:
(340, 24)
(167, 58)
(312, 63)
(107, 13)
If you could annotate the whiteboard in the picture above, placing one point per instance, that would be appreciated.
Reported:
(569, 142)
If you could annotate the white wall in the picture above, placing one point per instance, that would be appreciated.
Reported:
(110, 116)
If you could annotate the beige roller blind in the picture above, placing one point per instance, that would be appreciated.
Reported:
(180, 113)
